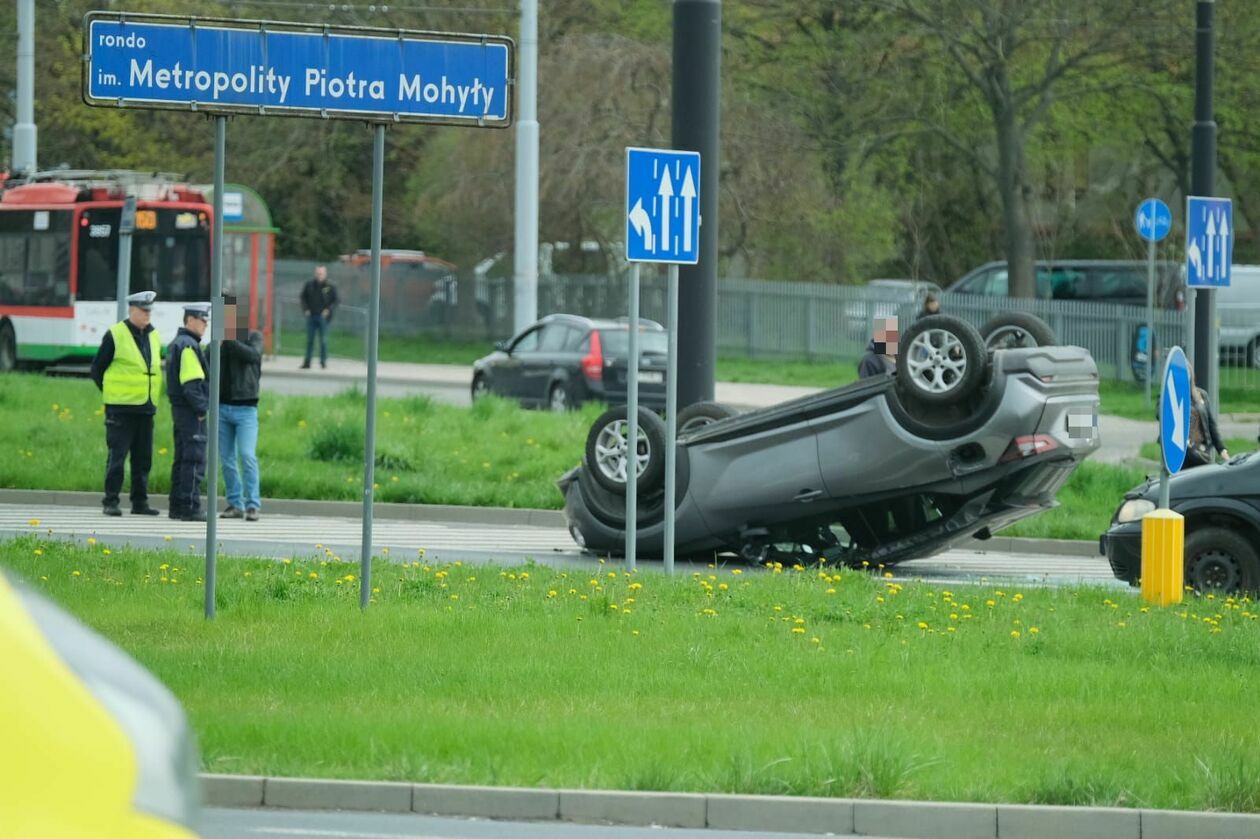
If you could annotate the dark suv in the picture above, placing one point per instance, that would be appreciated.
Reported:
(563, 361)
(1094, 281)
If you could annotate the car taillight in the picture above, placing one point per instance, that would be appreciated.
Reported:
(1028, 446)
(593, 361)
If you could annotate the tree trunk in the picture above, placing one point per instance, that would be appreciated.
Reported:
(1012, 183)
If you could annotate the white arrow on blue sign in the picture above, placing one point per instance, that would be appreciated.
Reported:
(1209, 241)
(662, 206)
(1174, 411)
(1153, 220)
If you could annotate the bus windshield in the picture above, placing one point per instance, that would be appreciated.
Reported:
(170, 254)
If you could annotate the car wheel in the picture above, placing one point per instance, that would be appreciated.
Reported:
(558, 398)
(607, 458)
(701, 414)
(480, 387)
(1218, 559)
(1253, 353)
(610, 507)
(8, 349)
(1012, 330)
(941, 360)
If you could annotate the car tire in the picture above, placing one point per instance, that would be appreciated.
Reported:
(558, 398)
(480, 387)
(607, 464)
(701, 414)
(1011, 330)
(941, 360)
(1253, 354)
(1219, 559)
(8, 348)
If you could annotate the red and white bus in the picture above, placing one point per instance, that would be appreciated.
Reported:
(59, 260)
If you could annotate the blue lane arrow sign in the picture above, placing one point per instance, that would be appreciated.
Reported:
(1174, 411)
(1153, 220)
(662, 214)
(1209, 242)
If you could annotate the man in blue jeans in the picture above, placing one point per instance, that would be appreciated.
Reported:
(319, 300)
(241, 370)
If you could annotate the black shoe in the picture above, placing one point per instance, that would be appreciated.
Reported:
(306, 366)
(323, 365)
(112, 510)
(198, 516)
(144, 510)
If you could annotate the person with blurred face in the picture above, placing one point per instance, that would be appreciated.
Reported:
(881, 352)
(240, 361)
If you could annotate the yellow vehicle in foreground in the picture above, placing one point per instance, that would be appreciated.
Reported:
(91, 744)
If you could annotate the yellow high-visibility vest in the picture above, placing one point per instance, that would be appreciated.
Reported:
(128, 380)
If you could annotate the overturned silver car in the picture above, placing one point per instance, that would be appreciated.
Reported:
(966, 437)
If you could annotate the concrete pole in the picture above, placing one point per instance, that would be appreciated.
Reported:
(525, 277)
(1203, 183)
(24, 138)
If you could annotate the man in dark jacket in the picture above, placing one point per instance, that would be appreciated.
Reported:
(187, 383)
(126, 370)
(881, 352)
(319, 301)
(239, 376)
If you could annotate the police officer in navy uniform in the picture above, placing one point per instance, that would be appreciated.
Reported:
(187, 382)
(127, 371)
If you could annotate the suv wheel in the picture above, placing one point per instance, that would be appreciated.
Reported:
(607, 456)
(479, 387)
(1011, 330)
(558, 398)
(941, 360)
(701, 414)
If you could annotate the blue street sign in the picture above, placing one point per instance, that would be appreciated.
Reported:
(1153, 220)
(1209, 241)
(1174, 410)
(225, 66)
(662, 206)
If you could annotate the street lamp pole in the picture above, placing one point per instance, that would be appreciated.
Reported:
(1203, 183)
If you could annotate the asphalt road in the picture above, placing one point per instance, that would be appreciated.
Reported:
(298, 536)
(298, 824)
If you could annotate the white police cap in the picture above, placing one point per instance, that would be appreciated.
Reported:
(142, 299)
(197, 310)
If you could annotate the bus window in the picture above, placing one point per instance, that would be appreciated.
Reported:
(35, 258)
(12, 268)
(173, 259)
(48, 269)
(98, 254)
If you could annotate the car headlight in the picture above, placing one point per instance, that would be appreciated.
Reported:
(1134, 509)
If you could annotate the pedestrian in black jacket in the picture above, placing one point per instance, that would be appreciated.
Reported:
(187, 383)
(241, 370)
(881, 352)
(319, 301)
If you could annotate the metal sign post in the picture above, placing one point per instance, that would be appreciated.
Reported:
(662, 225)
(126, 226)
(1153, 221)
(1163, 530)
(216, 342)
(374, 330)
(632, 423)
(265, 68)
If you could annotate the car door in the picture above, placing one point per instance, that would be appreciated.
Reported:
(540, 365)
(509, 375)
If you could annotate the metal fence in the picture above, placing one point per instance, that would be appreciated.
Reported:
(761, 319)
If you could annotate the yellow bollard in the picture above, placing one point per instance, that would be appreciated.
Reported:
(1163, 557)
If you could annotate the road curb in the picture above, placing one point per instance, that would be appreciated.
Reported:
(524, 517)
(836, 816)
(499, 516)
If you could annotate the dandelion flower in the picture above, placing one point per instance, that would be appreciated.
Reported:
(33, 522)
(798, 630)
(922, 625)
(91, 540)
(75, 574)
(1014, 633)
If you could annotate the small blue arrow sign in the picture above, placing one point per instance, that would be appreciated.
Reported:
(662, 206)
(1174, 410)
(1209, 242)
(1153, 220)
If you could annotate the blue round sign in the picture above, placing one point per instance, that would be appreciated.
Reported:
(1153, 220)
(1174, 410)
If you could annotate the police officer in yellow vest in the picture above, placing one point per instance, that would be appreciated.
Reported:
(188, 384)
(127, 371)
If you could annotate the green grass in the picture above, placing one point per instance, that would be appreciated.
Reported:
(410, 349)
(790, 371)
(493, 454)
(1086, 504)
(1233, 445)
(465, 674)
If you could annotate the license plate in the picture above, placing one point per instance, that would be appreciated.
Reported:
(651, 377)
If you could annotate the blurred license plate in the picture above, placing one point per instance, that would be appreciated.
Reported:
(651, 377)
